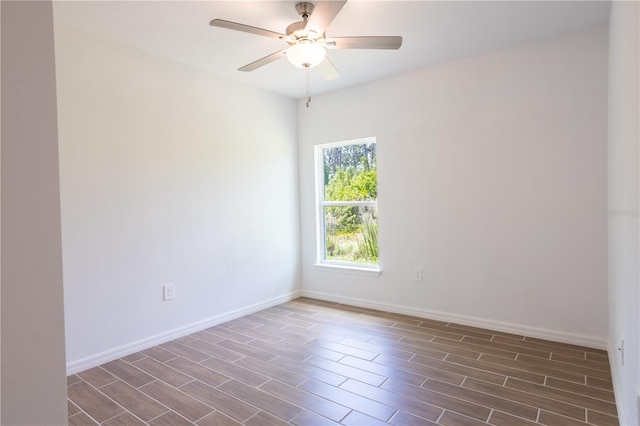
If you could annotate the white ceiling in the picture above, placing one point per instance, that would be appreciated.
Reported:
(433, 32)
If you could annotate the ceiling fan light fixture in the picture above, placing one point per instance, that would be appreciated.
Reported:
(306, 55)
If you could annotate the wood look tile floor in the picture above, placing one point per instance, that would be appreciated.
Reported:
(309, 362)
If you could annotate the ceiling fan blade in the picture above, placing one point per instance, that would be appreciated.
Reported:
(323, 14)
(368, 42)
(221, 23)
(327, 70)
(263, 61)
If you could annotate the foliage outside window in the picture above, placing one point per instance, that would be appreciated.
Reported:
(347, 203)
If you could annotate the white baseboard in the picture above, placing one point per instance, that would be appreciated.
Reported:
(139, 345)
(618, 391)
(523, 330)
(612, 351)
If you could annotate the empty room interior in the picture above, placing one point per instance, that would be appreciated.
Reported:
(174, 251)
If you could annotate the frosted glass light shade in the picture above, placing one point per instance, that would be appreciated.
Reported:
(305, 55)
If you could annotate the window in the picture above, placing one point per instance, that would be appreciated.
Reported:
(347, 204)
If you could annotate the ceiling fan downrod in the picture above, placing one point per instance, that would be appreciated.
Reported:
(304, 10)
(308, 71)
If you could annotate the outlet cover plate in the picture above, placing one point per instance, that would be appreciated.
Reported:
(168, 292)
(417, 274)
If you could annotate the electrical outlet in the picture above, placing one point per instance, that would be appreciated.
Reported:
(168, 292)
(417, 274)
(621, 350)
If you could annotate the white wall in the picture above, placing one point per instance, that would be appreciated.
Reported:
(33, 351)
(624, 283)
(168, 175)
(492, 177)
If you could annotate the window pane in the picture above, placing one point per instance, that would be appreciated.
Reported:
(350, 173)
(352, 234)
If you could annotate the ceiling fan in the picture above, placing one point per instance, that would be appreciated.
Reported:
(307, 40)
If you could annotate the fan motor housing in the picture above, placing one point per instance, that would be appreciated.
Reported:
(296, 30)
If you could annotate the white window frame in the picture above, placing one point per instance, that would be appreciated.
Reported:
(321, 204)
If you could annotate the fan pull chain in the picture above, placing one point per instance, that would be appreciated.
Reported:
(308, 70)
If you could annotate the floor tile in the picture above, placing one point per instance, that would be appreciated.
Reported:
(134, 401)
(358, 419)
(213, 349)
(420, 369)
(124, 419)
(97, 377)
(311, 362)
(93, 402)
(177, 400)
(265, 419)
(414, 406)
(307, 418)
(263, 400)
(450, 418)
(309, 371)
(499, 418)
(543, 402)
(228, 369)
(562, 395)
(601, 419)
(359, 403)
(347, 371)
(284, 375)
(128, 373)
(159, 354)
(217, 419)
(198, 371)
(232, 407)
(81, 419)
(437, 399)
(483, 399)
(384, 371)
(170, 419)
(321, 406)
(184, 351)
(162, 372)
(405, 419)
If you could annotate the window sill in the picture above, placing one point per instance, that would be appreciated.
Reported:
(370, 272)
